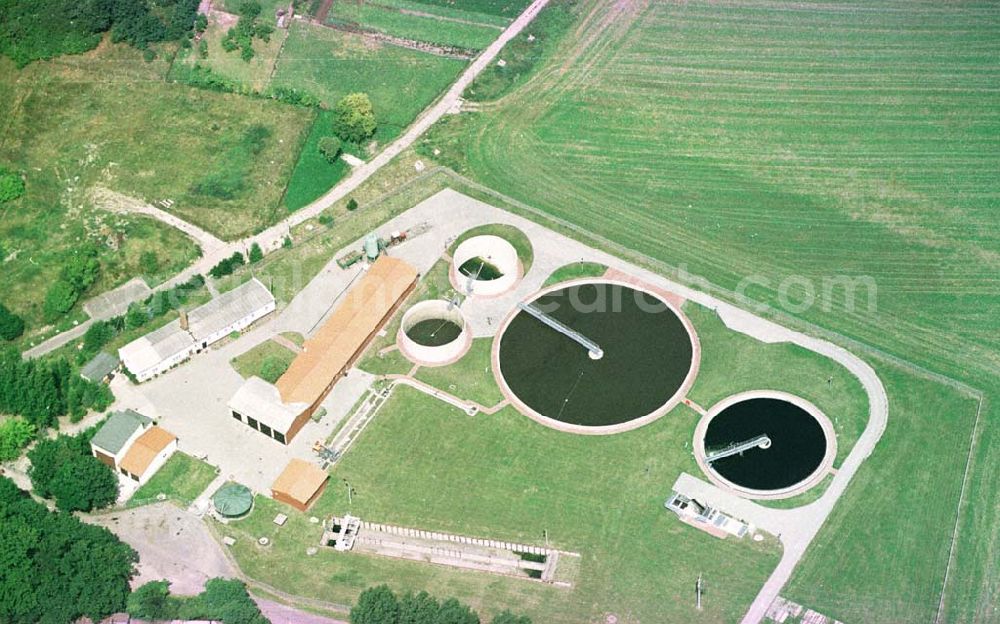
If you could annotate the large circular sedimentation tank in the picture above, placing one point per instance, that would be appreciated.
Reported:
(434, 333)
(799, 449)
(485, 265)
(648, 357)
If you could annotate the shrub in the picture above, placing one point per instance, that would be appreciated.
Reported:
(287, 243)
(509, 618)
(81, 268)
(256, 253)
(148, 55)
(11, 185)
(15, 434)
(227, 266)
(376, 605)
(59, 299)
(11, 325)
(352, 204)
(152, 601)
(325, 219)
(354, 118)
(330, 147)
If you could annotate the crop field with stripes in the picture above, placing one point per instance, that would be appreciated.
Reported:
(838, 162)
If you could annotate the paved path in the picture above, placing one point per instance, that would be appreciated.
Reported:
(214, 250)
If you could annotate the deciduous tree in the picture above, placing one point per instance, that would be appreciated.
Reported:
(354, 118)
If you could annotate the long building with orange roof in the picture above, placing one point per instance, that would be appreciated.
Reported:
(280, 411)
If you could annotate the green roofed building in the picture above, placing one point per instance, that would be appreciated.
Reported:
(100, 368)
(117, 434)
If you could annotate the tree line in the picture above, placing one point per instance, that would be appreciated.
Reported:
(380, 605)
(43, 390)
(40, 29)
(223, 600)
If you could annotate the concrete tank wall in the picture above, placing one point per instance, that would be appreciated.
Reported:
(440, 355)
(497, 252)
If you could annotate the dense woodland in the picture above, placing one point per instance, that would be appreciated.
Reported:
(39, 29)
(54, 568)
(43, 390)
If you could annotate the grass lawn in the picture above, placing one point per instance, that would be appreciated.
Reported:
(577, 270)
(255, 74)
(469, 378)
(268, 360)
(314, 174)
(505, 477)
(509, 233)
(331, 64)
(109, 118)
(182, 479)
(891, 549)
(732, 362)
(420, 26)
(295, 337)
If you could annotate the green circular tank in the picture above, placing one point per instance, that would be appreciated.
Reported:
(232, 500)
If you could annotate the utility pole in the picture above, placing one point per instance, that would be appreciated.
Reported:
(350, 492)
(697, 592)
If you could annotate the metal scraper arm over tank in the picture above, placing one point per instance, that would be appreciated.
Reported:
(593, 349)
(761, 441)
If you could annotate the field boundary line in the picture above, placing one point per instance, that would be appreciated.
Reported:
(973, 442)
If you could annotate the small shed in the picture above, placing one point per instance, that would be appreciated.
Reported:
(116, 436)
(233, 500)
(101, 368)
(300, 484)
(148, 453)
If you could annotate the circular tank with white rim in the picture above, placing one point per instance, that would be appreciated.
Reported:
(485, 265)
(434, 333)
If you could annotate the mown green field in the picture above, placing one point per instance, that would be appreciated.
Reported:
(330, 64)
(463, 32)
(784, 151)
(506, 477)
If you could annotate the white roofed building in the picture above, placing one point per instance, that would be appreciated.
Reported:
(259, 405)
(168, 346)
